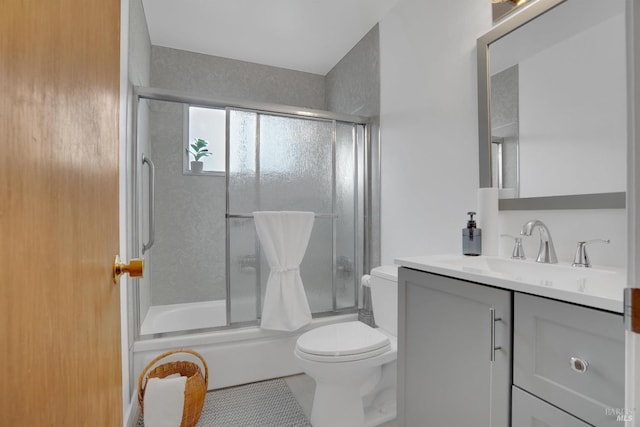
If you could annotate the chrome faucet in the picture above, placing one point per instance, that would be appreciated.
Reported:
(547, 252)
(582, 259)
(518, 250)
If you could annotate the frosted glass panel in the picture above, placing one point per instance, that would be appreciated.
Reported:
(317, 267)
(346, 199)
(295, 164)
(242, 161)
(285, 163)
(244, 270)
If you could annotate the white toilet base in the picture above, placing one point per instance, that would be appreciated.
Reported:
(382, 409)
(337, 406)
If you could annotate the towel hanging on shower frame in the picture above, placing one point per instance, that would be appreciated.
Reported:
(284, 237)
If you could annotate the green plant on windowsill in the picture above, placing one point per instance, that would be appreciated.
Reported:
(200, 150)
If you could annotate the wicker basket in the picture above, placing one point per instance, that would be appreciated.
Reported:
(195, 388)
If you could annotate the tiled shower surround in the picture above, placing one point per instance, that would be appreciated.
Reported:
(191, 204)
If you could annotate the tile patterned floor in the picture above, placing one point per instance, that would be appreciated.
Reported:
(282, 411)
(262, 404)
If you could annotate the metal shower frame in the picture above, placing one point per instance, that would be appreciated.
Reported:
(371, 170)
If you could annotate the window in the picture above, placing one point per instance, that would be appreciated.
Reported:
(208, 124)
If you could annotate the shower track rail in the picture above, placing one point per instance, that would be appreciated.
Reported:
(159, 94)
(247, 215)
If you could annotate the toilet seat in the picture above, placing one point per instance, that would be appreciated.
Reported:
(342, 342)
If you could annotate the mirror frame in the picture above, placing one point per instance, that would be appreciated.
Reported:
(529, 12)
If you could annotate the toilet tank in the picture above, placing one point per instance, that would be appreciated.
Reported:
(384, 297)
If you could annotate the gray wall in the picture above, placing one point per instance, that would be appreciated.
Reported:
(353, 85)
(186, 267)
(228, 78)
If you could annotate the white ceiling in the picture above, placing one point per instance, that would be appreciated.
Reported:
(303, 35)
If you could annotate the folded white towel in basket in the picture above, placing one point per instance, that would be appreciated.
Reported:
(164, 401)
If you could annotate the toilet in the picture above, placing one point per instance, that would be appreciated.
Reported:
(353, 364)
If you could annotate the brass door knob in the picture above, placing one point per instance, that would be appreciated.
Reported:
(135, 268)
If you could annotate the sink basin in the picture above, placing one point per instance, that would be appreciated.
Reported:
(597, 287)
(529, 271)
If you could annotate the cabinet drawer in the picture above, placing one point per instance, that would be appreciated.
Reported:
(547, 335)
(529, 411)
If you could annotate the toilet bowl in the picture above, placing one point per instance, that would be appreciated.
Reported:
(353, 364)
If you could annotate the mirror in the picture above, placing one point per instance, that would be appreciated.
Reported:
(553, 107)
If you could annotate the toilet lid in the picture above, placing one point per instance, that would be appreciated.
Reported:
(342, 339)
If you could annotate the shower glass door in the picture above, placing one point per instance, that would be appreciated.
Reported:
(204, 267)
(279, 162)
(185, 283)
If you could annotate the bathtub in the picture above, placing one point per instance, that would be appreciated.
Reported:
(182, 317)
(235, 356)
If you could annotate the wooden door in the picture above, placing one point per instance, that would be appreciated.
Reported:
(60, 359)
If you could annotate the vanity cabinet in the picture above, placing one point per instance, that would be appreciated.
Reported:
(471, 354)
(449, 331)
(569, 356)
(529, 411)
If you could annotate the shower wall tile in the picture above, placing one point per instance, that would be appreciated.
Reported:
(228, 78)
(353, 85)
(179, 275)
(191, 268)
(505, 122)
(504, 97)
(187, 262)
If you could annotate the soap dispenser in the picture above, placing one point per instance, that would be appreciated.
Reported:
(471, 238)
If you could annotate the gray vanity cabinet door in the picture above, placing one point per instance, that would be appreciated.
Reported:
(529, 411)
(445, 375)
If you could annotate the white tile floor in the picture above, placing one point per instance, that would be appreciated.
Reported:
(303, 387)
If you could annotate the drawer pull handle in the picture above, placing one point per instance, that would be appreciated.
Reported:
(579, 365)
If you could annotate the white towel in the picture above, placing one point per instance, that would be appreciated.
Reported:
(164, 402)
(284, 237)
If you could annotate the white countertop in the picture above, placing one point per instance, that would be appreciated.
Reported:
(598, 287)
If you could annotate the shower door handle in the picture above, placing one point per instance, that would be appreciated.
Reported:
(152, 204)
